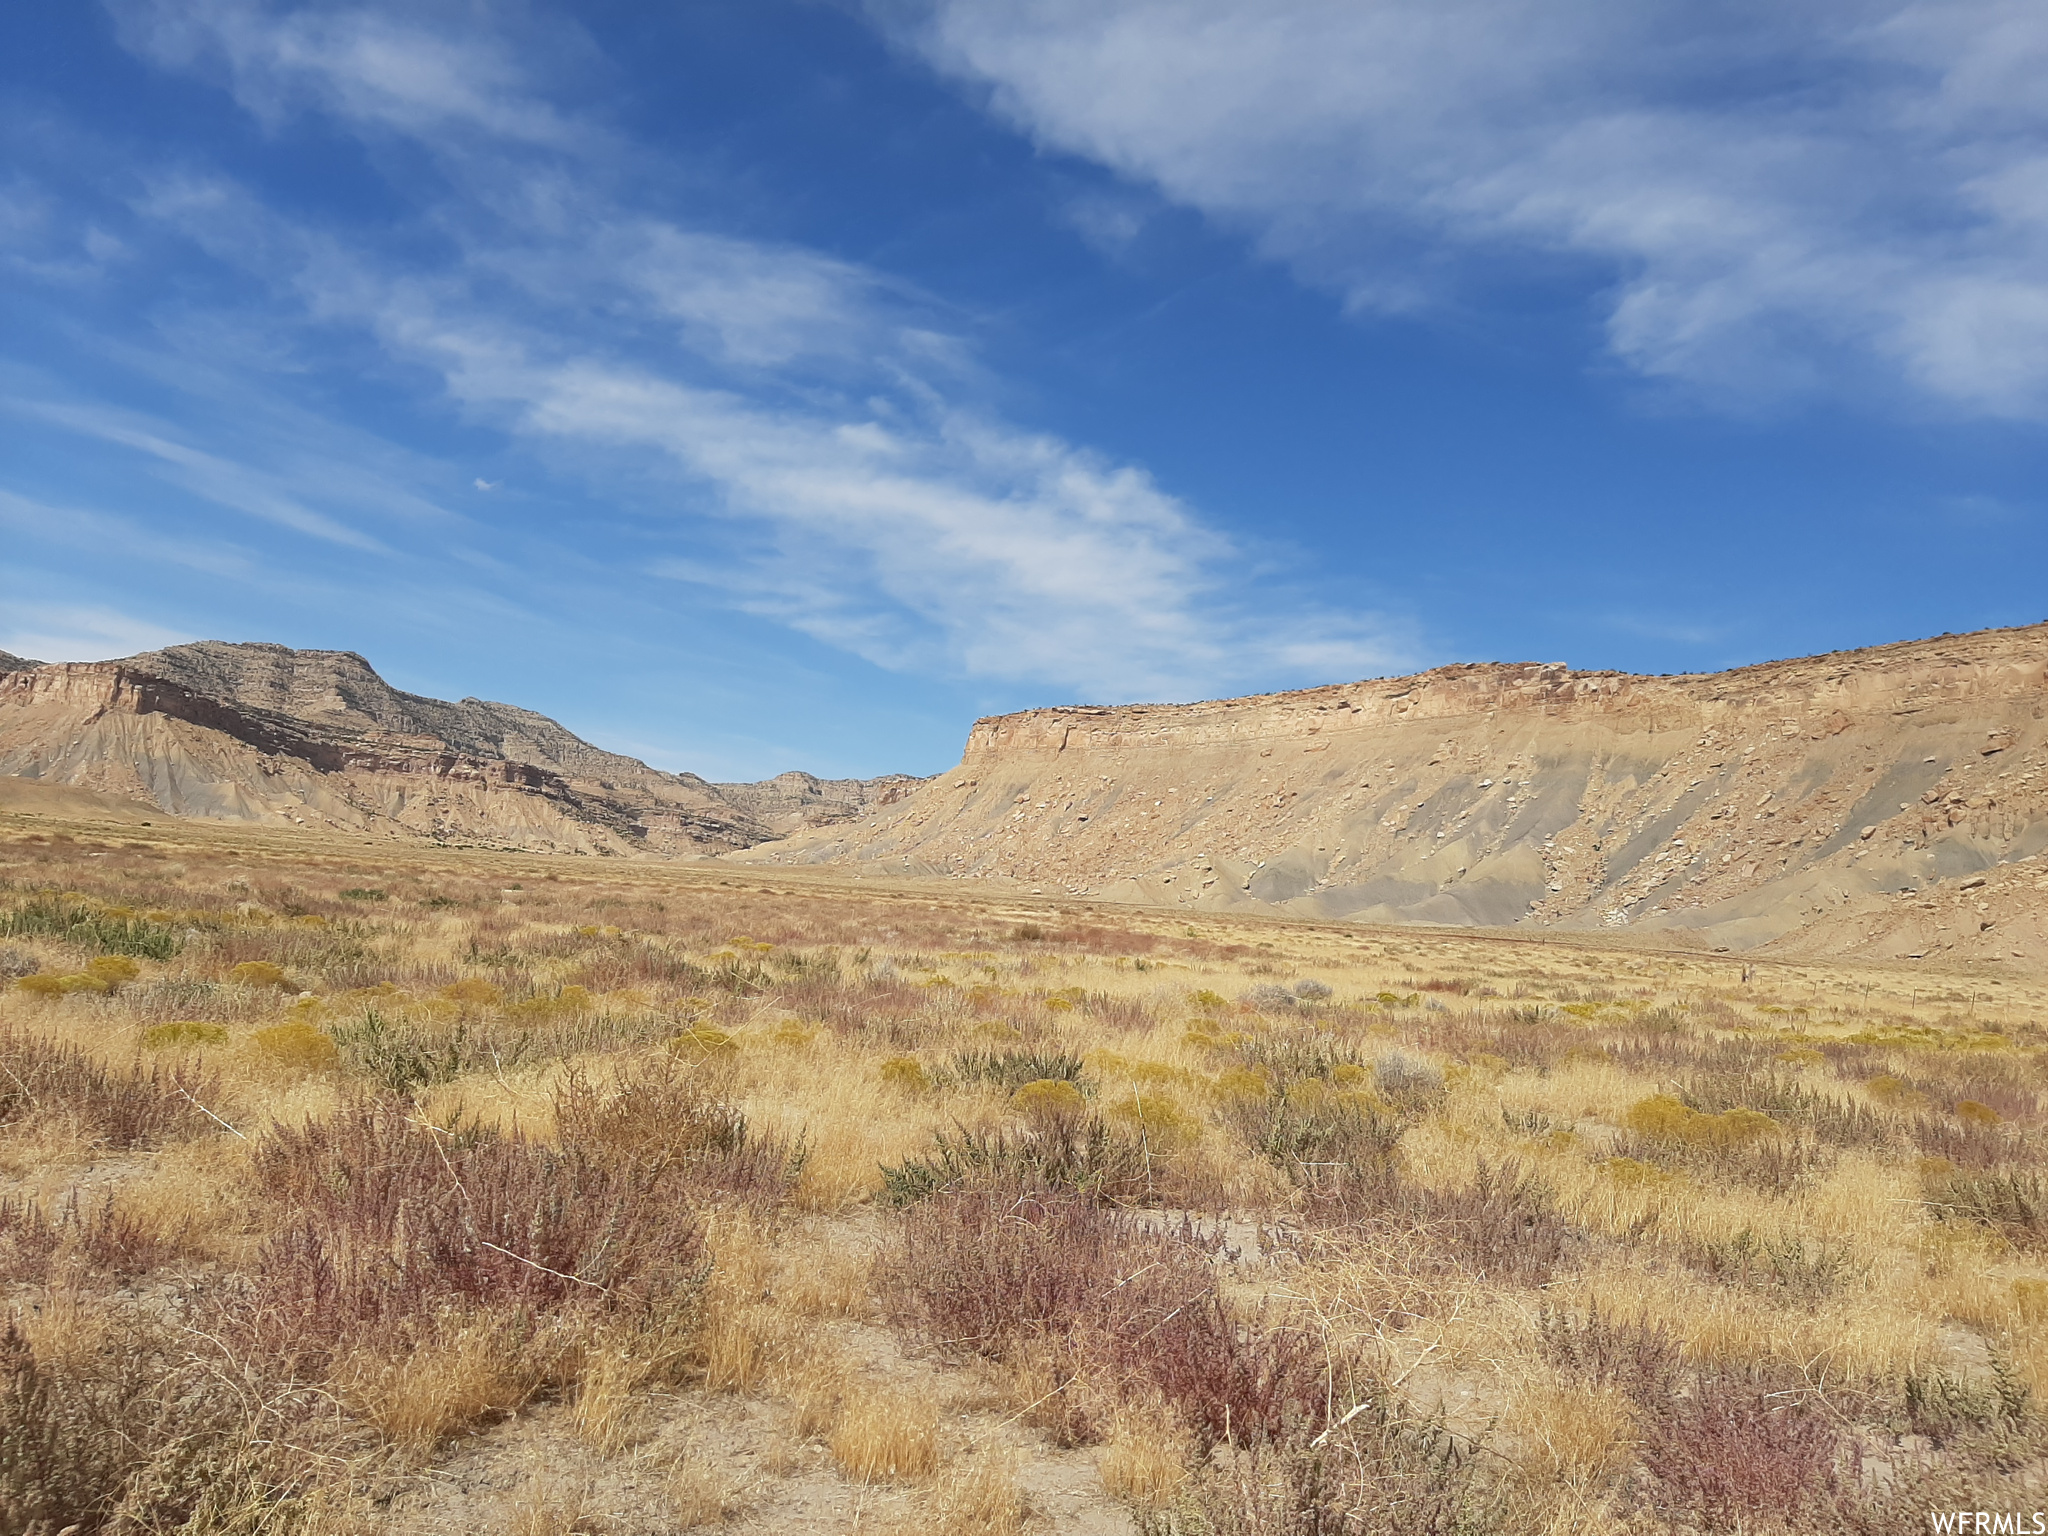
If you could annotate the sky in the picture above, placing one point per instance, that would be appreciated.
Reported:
(757, 384)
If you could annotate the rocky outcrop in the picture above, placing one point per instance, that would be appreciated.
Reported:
(265, 733)
(1745, 806)
(797, 800)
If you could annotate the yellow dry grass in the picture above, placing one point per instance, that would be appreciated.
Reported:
(856, 1025)
(884, 1434)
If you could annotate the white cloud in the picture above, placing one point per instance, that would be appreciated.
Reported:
(219, 480)
(813, 426)
(1774, 197)
(61, 632)
(357, 62)
(916, 534)
(80, 528)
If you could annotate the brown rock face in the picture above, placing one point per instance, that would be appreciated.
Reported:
(1735, 804)
(316, 738)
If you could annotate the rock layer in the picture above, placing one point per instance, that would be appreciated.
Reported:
(1796, 797)
(263, 733)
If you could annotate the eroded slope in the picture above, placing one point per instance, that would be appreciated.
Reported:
(265, 733)
(1752, 804)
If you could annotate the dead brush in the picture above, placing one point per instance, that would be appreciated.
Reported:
(395, 1222)
(675, 1122)
(1380, 1472)
(1502, 1226)
(1973, 1144)
(885, 1009)
(1101, 1307)
(1742, 1449)
(34, 1248)
(2012, 1204)
(120, 1109)
(1721, 1446)
(1313, 1134)
(131, 1433)
(1524, 1047)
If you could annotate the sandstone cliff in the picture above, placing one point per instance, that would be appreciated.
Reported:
(1885, 801)
(264, 733)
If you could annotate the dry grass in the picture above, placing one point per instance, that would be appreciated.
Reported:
(304, 1193)
(696, 1495)
(883, 1434)
(978, 1496)
(1145, 1459)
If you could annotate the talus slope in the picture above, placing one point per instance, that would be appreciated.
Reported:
(1821, 800)
(267, 734)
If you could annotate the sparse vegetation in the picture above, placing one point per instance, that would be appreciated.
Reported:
(318, 1169)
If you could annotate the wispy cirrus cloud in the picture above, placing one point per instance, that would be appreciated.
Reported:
(391, 69)
(795, 433)
(1766, 198)
(89, 531)
(222, 481)
(79, 632)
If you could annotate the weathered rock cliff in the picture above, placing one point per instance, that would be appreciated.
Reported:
(1797, 796)
(316, 738)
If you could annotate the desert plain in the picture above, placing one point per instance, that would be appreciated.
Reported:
(375, 1188)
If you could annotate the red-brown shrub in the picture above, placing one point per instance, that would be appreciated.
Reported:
(395, 1220)
(107, 1240)
(1114, 1305)
(118, 1109)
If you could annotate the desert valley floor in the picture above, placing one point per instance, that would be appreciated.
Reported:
(393, 1188)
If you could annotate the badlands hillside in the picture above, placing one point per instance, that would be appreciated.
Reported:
(1887, 803)
(266, 734)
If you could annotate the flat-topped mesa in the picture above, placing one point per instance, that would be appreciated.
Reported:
(1732, 803)
(316, 738)
(1993, 663)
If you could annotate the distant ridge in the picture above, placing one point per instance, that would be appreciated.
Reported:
(267, 734)
(1792, 801)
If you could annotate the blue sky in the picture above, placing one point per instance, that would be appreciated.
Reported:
(758, 384)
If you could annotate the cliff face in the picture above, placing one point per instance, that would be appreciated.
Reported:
(316, 738)
(1798, 797)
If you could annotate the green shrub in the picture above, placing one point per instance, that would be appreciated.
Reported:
(907, 1073)
(113, 972)
(183, 1034)
(112, 932)
(1047, 1099)
(295, 1047)
(402, 1057)
(703, 1040)
(1011, 1070)
(1661, 1117)
(1082, 1156)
